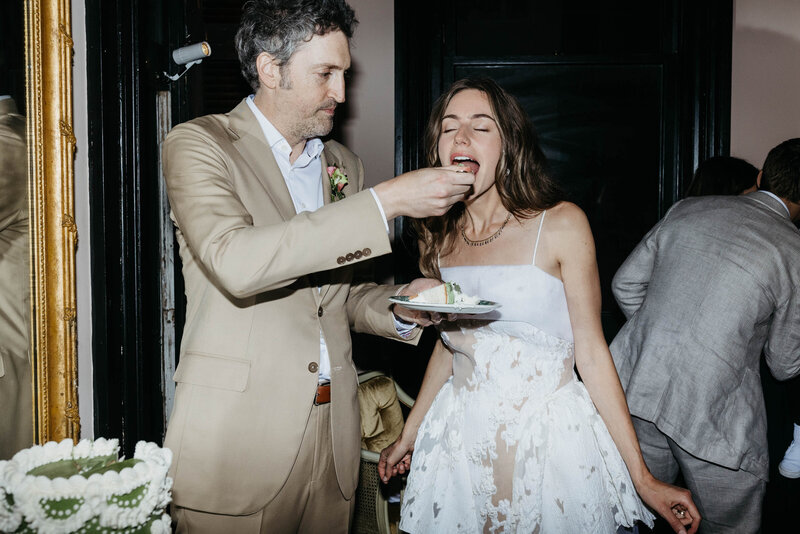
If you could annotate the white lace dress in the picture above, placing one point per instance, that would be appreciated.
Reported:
(512, 442)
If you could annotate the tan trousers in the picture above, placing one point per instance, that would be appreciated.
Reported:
(310, 501)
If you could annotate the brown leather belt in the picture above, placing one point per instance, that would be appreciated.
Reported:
(323, 394)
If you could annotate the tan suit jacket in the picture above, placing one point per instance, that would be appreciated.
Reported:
(247, 374)
(16, 388)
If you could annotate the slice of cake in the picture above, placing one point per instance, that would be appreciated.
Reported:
(441, 294)
(446, 293)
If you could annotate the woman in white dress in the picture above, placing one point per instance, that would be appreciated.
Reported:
(505, 438)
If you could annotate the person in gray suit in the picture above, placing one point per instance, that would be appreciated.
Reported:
(710, 286)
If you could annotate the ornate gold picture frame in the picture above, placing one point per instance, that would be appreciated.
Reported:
(51, 148)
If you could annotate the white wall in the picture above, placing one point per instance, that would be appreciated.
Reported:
(765, 96)
(83, 261)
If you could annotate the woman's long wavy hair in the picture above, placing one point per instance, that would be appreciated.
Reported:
(521, 179)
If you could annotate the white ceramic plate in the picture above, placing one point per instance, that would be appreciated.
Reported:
(483, 306)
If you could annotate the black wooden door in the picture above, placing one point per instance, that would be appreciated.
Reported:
(626, 96)
(128, 52)
(129, 45)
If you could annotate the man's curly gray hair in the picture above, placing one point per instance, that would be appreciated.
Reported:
(278, 27)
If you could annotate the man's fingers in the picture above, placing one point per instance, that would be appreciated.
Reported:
(382, 468)
(682, 519)
(460, 175)
(691, 515)
(460, 193)
(676, 525)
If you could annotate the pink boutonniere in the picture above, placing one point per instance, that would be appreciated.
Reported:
(338, 181)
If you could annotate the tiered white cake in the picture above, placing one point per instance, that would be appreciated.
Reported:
(65, 488)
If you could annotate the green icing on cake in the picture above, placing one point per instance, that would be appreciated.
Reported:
(450, 290)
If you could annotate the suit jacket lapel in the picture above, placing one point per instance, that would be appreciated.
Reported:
(257, 154)
(249, 140)
(326, 158)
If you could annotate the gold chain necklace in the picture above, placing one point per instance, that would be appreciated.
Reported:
(489, 239)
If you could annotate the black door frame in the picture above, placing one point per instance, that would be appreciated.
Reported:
(128, 46)
(697, 58)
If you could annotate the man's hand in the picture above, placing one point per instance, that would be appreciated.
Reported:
(672, 503)
(422, 318)
(395, 460)
(424, 192)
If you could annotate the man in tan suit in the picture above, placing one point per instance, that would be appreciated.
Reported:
(16, 388)
(265, 427)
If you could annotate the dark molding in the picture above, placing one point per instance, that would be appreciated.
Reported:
(123, 64)
(418, 67)
(706, 34)
(694, 56)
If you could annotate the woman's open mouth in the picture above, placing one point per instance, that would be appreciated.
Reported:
(466, 161)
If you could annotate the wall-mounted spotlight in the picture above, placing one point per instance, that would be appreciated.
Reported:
(189, 56)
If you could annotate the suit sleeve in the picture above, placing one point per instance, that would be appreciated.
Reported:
(13, 171)
(782, 350)
(245, 259)
(368, 307)
(630, 282)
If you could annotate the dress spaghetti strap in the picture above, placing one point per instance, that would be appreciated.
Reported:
(538, 235)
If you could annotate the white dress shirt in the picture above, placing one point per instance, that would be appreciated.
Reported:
(303, 179)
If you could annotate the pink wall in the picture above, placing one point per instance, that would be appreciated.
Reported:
(369, 127)
(765, 96)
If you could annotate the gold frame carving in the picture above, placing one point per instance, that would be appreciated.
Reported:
(51, 149)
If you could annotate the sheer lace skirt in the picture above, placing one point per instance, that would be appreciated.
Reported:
(516, 446)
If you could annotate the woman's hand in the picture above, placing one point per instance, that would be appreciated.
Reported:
(395, 459)
(672, 503)
(411, 289)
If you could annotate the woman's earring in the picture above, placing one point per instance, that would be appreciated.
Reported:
(508, 172)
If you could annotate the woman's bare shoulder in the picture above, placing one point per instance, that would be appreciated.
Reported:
(566, 217)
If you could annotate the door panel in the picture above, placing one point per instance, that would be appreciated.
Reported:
(626, 97)
(602, 139)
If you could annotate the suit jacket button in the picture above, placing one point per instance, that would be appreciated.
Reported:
(319, 312)
(340, 260)
(358, 254)
(367, 252)
(313, 367)
(349, 256)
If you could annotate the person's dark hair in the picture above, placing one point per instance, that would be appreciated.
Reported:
(722, 175)
(522, 182)
(278, 27)
(781, 172)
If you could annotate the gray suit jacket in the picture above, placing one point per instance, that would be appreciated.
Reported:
(710, 286)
